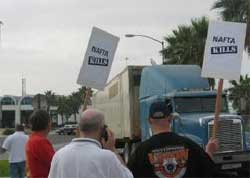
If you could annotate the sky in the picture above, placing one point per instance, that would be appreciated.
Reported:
(45, 41)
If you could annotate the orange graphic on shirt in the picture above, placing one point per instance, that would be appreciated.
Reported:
(169, 162)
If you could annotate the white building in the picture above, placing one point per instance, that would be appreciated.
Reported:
(16, 110)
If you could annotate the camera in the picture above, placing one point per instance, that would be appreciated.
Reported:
(104, 133)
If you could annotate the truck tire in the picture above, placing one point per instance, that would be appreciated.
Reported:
(126, 152)
(134, 146)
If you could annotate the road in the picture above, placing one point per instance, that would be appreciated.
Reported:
(58, 141)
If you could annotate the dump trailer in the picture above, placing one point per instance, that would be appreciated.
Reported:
(126, 100)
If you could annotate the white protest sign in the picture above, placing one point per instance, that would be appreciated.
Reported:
(98, 59)
(224, 50)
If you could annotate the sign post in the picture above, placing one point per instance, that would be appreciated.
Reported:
(86, 99)
(223, 57)
(217, 108)
(97, 61)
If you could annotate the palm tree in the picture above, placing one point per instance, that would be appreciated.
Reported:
(186, 45)
(239, 94)
(62, 106)
(50, 99)
(236, 11)
(75, 101)
(82, 93)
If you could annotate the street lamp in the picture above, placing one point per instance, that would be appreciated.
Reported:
(149, 37)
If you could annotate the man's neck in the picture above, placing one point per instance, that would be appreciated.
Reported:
(91, 136)
(161, 130)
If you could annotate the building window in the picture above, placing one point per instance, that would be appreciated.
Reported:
(7, 101)
(26, 101)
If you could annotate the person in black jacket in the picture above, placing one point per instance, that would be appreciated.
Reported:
(167, 154)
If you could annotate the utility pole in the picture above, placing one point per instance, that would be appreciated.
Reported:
(126, 59)
(23, 86)
(1, 23)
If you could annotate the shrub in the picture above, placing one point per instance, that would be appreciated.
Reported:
(8, 131)
(4, 171)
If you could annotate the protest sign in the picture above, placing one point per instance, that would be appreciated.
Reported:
(223, 57)
(224, 50)
(98, 59)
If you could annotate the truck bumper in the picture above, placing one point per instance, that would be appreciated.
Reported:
(234, 162)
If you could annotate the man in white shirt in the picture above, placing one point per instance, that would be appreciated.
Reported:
(15, 145)
(85, 157)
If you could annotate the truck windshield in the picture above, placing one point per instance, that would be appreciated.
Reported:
(195, 104)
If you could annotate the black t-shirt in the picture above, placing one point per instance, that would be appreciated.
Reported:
(170, 155)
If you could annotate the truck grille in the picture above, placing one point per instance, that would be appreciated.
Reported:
(229, 134)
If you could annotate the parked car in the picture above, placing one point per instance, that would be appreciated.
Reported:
(60, 130)
(68, 129)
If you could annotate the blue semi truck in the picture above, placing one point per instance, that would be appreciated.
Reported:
(128, 96)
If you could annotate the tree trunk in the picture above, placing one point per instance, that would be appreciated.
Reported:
(62, 119)
(75, 117)
(48, 109)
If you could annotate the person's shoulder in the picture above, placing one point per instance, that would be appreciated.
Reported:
(181, 138)
(146, 143)
(9, 137)
(107, 155)
(37, 139)
(24, 136)
(188, 142)
(60, 152)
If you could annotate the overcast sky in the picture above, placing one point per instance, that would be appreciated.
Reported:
(45, 40)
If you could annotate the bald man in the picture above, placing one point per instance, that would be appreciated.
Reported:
(91, 155)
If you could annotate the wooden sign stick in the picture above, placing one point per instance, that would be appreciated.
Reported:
(85, 102)
(217, 108)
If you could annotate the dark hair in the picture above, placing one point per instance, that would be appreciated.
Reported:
(160, 109)
(19, 127)
(39, 120)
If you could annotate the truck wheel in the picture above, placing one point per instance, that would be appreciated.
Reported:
(134, 146)
(126, 152)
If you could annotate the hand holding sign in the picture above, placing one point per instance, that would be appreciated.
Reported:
(223, 56)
